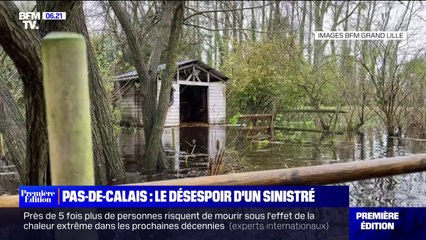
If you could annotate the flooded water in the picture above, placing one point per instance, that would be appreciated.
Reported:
(197, 144)
(401, 190)
(190, 149)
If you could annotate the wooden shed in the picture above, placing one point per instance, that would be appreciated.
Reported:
(198, 96)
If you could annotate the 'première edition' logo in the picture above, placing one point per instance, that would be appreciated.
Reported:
(41, 196)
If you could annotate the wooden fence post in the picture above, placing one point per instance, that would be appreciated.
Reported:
(66, 89)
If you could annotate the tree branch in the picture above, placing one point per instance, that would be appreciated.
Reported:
(130, 32)
(228, 29)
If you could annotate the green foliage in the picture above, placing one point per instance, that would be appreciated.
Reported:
(111, 63)
(296, 137)
(107, 58)
(326, 85)
(261, 75)
(116, 117)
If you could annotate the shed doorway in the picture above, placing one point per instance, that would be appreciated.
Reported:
(193, 104)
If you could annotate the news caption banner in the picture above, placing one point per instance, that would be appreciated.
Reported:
(214, 212)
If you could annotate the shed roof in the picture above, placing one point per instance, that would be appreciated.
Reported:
(133, 74)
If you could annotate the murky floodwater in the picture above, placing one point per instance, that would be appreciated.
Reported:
(198, 144)
(190, 148)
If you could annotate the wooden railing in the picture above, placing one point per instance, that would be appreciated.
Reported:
(265, 123)
(255, 120)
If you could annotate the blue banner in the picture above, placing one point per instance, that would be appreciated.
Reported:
(183, 197)
(122, 212)
(174, 223)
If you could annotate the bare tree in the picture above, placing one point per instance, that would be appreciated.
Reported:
(384, 63)
(153, 114)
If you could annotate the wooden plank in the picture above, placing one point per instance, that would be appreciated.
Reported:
(123, 79)
(8, 166)
(184, 67)
(312, 175)
(255, 128)
(188, 78)
(8, 174)
(257, 138)
(313, 111)
(214, 75)
(9, 201)
(192, 74)
(191, 83)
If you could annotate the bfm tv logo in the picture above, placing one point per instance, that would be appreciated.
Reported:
(29, 19)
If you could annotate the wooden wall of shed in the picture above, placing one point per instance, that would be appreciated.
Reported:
(173, 114)
(217, 139)
(168, 141)
(132, 145)
(131, 109)
(217, 103)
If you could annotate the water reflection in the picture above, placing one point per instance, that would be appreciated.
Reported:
(188, 150)
(9, 180)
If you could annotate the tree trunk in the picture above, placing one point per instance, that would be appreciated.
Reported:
(199, 39)
(241, 23)
(174, 24)
(217, 38)
(320, 10)
(22, 46)
(106, 151)
(234, 24)
(253, 23)
(276, 23)
(309, 35)
(109, 166)
(264, 26)
(148, 77)
(227, 23)
(302, 27)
